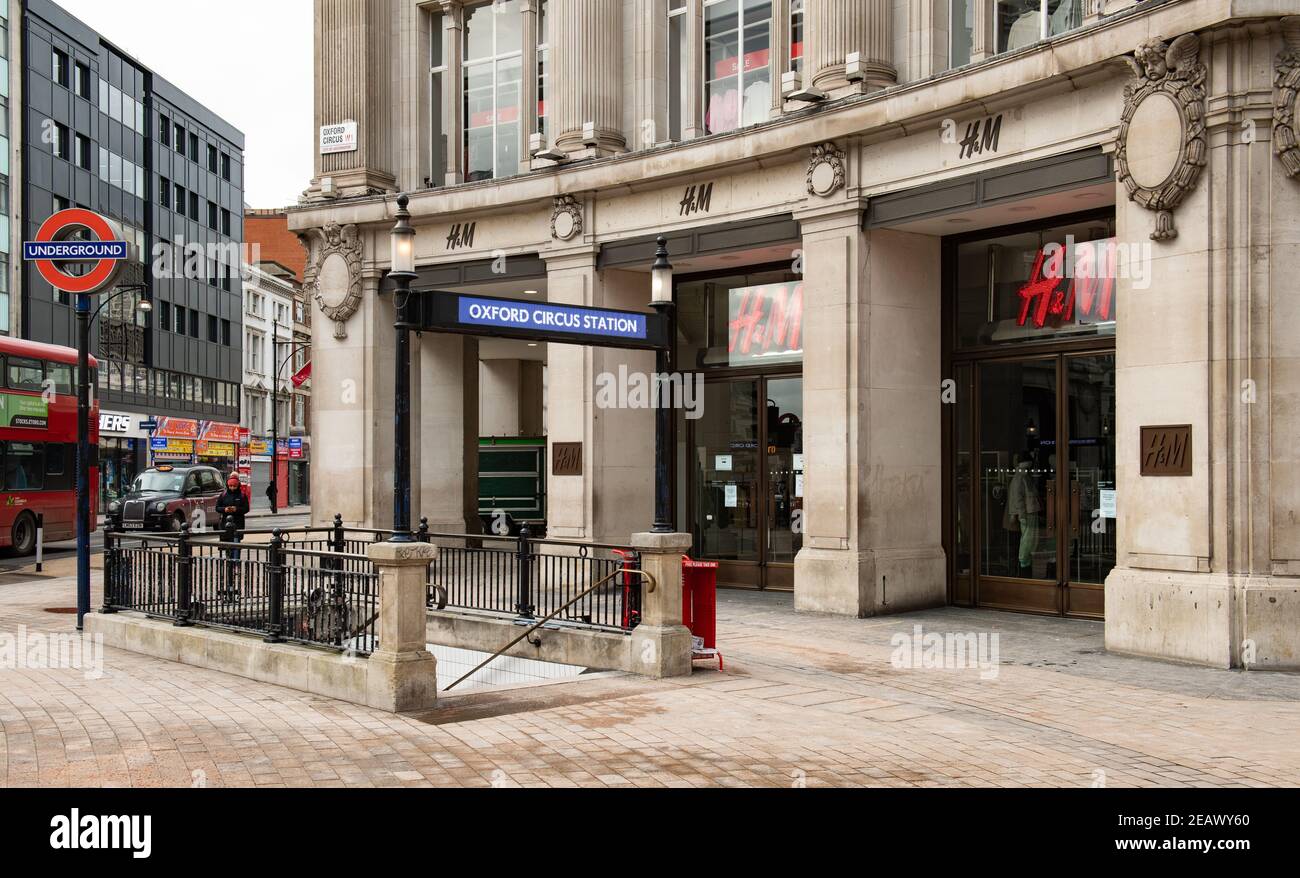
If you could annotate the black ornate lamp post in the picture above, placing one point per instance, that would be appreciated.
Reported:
(84, 318)
(661, 299)
(403, 273)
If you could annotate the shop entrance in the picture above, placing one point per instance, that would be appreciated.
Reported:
(747, 478)
(1042, 504)
(1031, 493)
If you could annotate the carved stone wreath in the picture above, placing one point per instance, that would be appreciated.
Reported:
(1286, 92)
(566, 218)
(1164, 106)
(333, 273)
(825, 170)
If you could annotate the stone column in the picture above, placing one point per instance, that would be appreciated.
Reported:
(982, 38)
(614, 495)
(587, 82)
(872, 440)
(354, 48)
(1208, 564)
(661, 644)
(401, 675)
(834, 28)
(446, 435)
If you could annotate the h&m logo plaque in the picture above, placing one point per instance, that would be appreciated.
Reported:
(566, 458)
(1167, 450)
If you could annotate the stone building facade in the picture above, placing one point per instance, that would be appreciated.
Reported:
(992, 302)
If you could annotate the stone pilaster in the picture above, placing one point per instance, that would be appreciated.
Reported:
(833, 29)
(354, 50)
(587, 82)
(445, 444)
(661, 644)
(401, 673)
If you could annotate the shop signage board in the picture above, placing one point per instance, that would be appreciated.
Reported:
(766, 324)
(19, 410)
(1166, 450)
(542, 321)
(566, 458)
(177, 428)
(218, 431)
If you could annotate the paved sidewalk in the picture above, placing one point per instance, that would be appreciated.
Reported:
(805, 700)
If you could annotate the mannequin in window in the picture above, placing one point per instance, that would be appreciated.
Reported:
(1023, 507)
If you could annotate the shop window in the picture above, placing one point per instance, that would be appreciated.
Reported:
(678, 67)
(740, 320)
(796, 35)
(737, 69)
(1018, 23)
(1057, 282)
(961, 16)
(492, 80)
(543, 59)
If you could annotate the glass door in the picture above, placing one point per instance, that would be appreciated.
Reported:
(1090, 426)
(1018, 497)
(747, 479)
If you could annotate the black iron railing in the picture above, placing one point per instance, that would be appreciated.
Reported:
(280, 588)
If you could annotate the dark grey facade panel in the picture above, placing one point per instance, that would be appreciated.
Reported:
(684, 243)
(1023, 180)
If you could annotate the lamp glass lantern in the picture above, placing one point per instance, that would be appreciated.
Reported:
(661, 274)
(403, 247)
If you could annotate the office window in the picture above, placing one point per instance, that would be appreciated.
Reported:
(179, 200)
(83, 81)
(180, 319)
(225, 166)
(543, 60)
(678, 66)
(164, 130)
(212, 158)
(82, 151)
(1019, 23)
(737, 71)
(492, 79)
(164, 192)
(796, 35)
(225, 221)
(194, 147)
(194, 323)
(60, 145)
(214, 328)
(178, 137)
(164, 316)
(60, 70)
(225, 332)
(194, 206)
(212, 215)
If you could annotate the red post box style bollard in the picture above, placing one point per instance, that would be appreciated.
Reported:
(700, 607)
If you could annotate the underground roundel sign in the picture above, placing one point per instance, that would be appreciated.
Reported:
(105, 253)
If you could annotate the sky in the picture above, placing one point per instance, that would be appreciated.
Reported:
(249, 61)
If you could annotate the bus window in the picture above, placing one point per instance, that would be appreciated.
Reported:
(60, 475)
(24, 466)
(25, 374)
(61, 375)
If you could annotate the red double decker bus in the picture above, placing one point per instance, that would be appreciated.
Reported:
(38, 443)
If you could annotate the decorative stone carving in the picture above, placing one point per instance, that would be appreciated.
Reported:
(1286, 98)
(825, 170)
(1162, 146)
(566, 218)
(333, 273)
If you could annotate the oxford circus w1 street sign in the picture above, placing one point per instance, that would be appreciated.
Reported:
(106, 253)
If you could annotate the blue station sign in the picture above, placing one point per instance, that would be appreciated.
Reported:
(541, 321)
(75, 250)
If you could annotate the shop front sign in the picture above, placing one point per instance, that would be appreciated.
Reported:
(1070, 284)
(766, 324)
(1166, 450)
(177, 428)
(542, 321)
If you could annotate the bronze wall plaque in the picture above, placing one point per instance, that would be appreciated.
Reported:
(1167, 450)
(566, 458)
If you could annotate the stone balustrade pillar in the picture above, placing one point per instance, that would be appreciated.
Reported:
(402, 673)
(835, 28)
(586, 84)
(661, 643)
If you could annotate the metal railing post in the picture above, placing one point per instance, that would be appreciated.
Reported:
(338, 537)
(525, 562)
(110, 573)
(184, 573)
(229, 535)
(275, 588)
(422, 534)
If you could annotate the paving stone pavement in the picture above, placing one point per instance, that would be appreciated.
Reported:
(805, 700)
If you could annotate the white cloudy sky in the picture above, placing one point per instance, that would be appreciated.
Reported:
(250, 61)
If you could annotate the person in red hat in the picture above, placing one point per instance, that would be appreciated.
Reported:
(232, 506)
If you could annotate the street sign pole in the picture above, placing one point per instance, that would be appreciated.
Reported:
(83, 457)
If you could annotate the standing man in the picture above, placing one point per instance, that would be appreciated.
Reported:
(233, 507)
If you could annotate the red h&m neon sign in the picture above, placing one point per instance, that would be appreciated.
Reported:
(766, 323)
(1070, 281)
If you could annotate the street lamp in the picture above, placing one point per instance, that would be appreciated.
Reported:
(402, 271)
(84, 318)
(661, 299)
